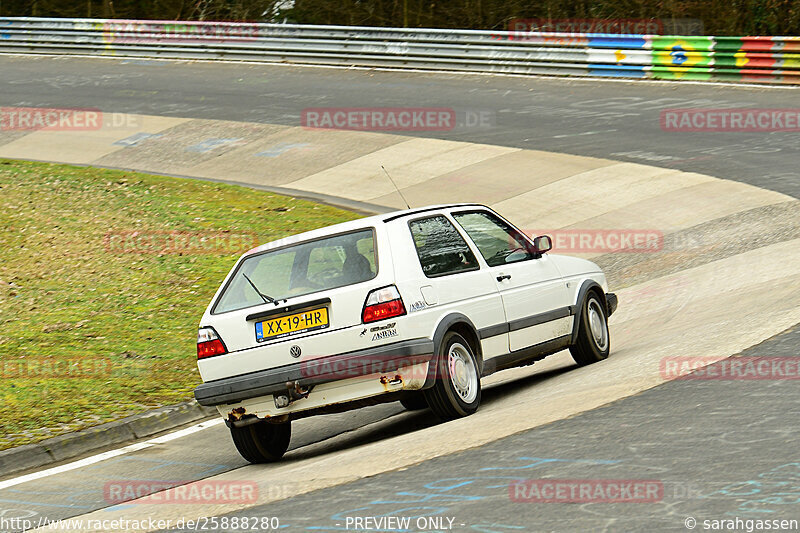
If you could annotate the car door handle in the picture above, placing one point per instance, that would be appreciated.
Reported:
(504, 276)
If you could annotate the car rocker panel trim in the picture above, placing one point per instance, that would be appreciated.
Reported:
(526, 322)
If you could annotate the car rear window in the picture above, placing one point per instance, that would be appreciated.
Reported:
(301, 269)
(440, 247)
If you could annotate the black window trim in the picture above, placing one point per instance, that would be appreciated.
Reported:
(284, 300)
(458, 231)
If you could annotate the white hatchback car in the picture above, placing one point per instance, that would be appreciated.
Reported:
(414, 306)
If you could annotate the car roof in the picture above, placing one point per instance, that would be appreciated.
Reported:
(388, 217)
(352, 225)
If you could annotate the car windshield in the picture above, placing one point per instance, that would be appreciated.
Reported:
(300, 269)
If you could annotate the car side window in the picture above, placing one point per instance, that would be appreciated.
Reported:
(440, 248)
(498, 242)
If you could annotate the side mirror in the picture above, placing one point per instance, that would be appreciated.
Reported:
(542, 244)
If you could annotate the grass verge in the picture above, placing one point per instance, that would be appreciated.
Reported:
(95, 324)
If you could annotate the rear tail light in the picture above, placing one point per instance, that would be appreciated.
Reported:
(209, 344)
(383, 303)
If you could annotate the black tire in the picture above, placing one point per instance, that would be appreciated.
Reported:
(262, 442)
(414, 401)
(593, 342)
(445, 399)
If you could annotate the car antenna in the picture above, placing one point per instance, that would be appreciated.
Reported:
(396, 188)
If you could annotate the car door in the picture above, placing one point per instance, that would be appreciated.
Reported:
(453, 280)
(534, 295)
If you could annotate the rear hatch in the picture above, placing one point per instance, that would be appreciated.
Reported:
(294, 298)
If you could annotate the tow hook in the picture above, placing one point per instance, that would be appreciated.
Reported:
(294, 391)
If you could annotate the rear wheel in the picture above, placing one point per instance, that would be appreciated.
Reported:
(457, 389)
(262, 442)
(593, 342)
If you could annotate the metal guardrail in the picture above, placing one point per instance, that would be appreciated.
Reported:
(737, 59)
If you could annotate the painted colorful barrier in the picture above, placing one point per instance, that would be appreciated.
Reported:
(731, 59)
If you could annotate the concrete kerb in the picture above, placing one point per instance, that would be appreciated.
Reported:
(126, 430)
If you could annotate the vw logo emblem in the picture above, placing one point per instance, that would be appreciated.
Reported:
(295, 351)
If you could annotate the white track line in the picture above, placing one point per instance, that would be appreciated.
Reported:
(110, 454)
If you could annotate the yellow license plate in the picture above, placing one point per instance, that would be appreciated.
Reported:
(292, 324)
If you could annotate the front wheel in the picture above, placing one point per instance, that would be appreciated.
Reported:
(262, 442)
(593, 342)
(414, 402)
(457, 389)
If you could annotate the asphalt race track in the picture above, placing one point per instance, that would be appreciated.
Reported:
(718, 449)
(616, 120)
(678, 433)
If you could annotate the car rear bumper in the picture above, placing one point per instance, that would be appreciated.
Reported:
(611, 303)
(385, 358)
